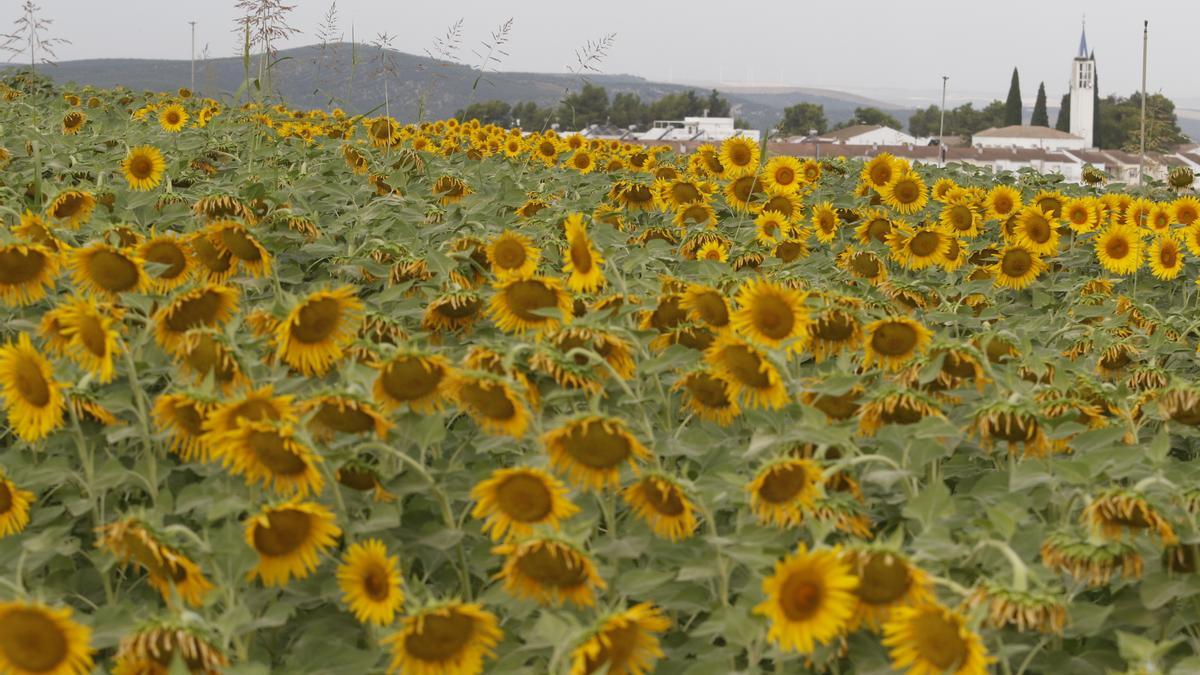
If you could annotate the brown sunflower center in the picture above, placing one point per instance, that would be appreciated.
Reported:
(773, 317)
(112, 271)
(745, 365)
(526, 296)
(217, 262)
(272, 451)
(375, 583)
(461, 309)
(834, 326)
(925, 244)
(188, 417)
(663, 498)
(740, 154)
(1168, 255)
(581, 255)
(141, 166)
(840, 407)
(1050, 205)
(241, 245)
(1002, 204)
(711, 307)
(437, 638)
(344, 418)
(30, 382)
(745, 188)
(32, 642)
(509, 254)
(524, 498)
(1078, 215)
(785, 176)
(317, 320)
(195, 311)
(488, 399)
(252, 410)
(865, 265)
(68, 205)
(1037, 228)
(894, 339)
(906, 191)
(1117, 247)
(938, 641)
(166, 253)
(881, 173)
(6, 498)
(19, 267)
(961, 217)
(595, 446)
(286, 531)
(783, 483)
(1016, 263)
(172, 117)
(883, 580)
(411, 378)
(552, 566)
(800, 597)
(92, 334)
(903, 412)
(708, 390)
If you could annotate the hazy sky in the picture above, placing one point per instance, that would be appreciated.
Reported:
(884, 47)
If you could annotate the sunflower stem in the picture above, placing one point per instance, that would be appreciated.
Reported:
(722, 563)
(139, 399)
(1020, 571)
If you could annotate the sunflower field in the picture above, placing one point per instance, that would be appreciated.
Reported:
(306, 392)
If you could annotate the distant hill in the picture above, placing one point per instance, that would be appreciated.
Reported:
(350, 77)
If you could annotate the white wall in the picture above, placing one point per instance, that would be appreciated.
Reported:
(881, 136)
(1030, 143)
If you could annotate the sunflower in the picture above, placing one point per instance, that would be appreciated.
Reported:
(623, 644)
(34, 230)
(257, 405)
(316, 332)
(549, 571)
(919, 249)
(782, 490)
(706, 304)
(153, 649)
(516, 299)
(961, 220)
(1119, 249)
(269, 453)
(14, 507)
(203, 307)
(664, 506)
(863, 265)
(879, 171)
(230, 238)
(213, 264)
(751, 377)
(1016, 267)
(698, 215)
(420, 380)
(169, 571)
(772, 314)
(288, 539)
(1166, 257)
(40, 640)
(511, 253)
(899, 406)
(172, 118)
(709, 396)
(770, 227)
(886, 580)
(343, 415)
(370, 582)
(929, 639)
(450, 638)
(514, 501)
(182, 417)
(810, 599)
(744, 193)
(72, 122)
(1090, 561)
(491, 403)
(452, 311)
(1117, 513)
(783, 173)
(891, 342)
(143, 167)
(1081, 214)
(26, 273)
(716, 251)
(739, 156)
(90, 336)
(1186, 211)
(72, 208)
(1024, 610)
(1036, 230)
(591, 449)
(582, 263)
(104, 269)
(33, 401)
(905, 193)
(171, 252)
(825, 222)
(1001, 202)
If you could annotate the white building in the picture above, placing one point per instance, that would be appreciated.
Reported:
(867, 134)
(1083, 92)
(1030, 138)
(695, 129)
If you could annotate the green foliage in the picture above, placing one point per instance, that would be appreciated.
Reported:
(964, 120)
(1013, 106)
(1063, 122)
(1120, 123)
(873, 116)
(1040, 117)
(800, 119)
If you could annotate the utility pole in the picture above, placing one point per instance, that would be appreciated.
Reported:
(193, 25)
(942, 125)
(1145, 55)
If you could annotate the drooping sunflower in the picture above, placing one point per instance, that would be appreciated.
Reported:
(772, 314)
(231, 238)
(212, 264)
(896, 405)
(752, 378)
(514, 501)
(203, 307)
(182, 417)
(709, 396)
(33, 401)
(906, 193)
(422, 381)
(707, 304)
(26, 273)
(288, 539)
(516, 299)
(1166, 257)
(591, 449)
(40, 640)
(171, 252)
(663, 504)
(512, 253)
(1090, 561)
(143, 167)
(269, 453)
(739, 156)
(105, 269)
(317, 331)
(154, 648)
(33, 229)
(72, 208)
(370, 582)
(72, 122)
(1023, 610)
(782, 490)
(886, 580)
(14, 507)
(1016, 267)
(333, 414)
(633, 195)
(172, 118)
(256, 405)
(582, 262)
(810, 599)
(169, 571)
(491, 403)
(835, 330)
(446, 638)
(1119, 249)
(891, 342)
(623, 643)
(929, 639)
(1119, 513)
(452, 311)
(549, 571)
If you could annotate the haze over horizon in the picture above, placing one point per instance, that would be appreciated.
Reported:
(871, 49)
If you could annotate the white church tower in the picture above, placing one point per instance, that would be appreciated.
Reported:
(1083, 91)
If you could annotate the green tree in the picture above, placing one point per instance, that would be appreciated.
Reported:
(799, 119)
(1162, 127)
(873, 116)
(1063, 123)
(1040, 117)
(964, 120)
(487, 112)
(1012, 105)
(1096, 105)
(531, 116)
(585, 107)
(627, 109)
(717, 105)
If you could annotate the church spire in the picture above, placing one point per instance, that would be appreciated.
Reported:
(1083, 48)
